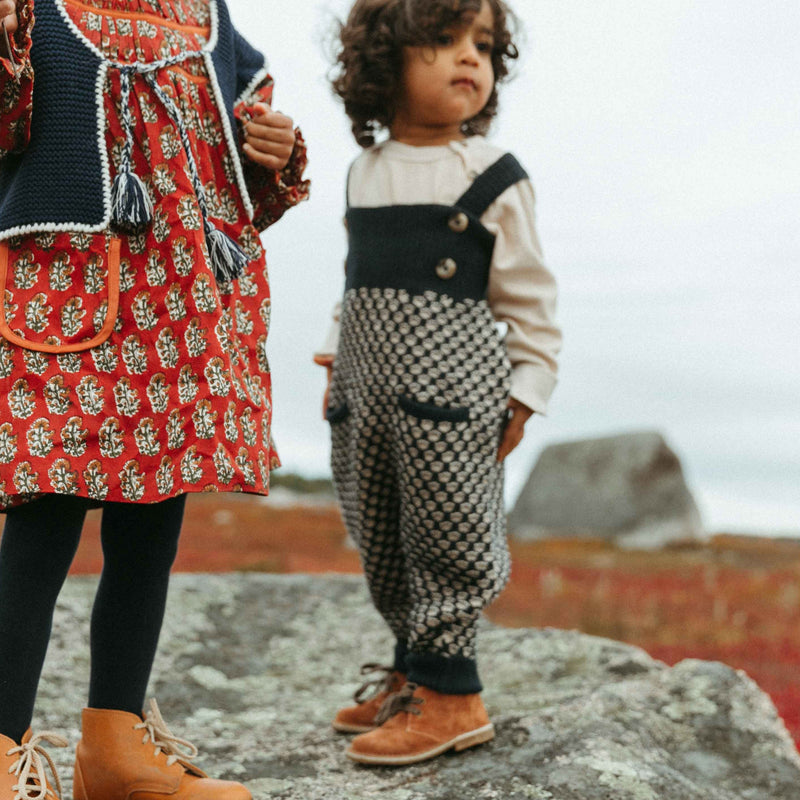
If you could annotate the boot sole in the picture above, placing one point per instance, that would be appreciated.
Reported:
(459, 743)
(343, 727)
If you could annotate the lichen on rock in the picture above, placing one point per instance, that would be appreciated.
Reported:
(253, 667)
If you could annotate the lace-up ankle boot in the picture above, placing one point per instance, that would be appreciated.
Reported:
(418, 723)
(121, 755)
(22, 767)
(369, 698)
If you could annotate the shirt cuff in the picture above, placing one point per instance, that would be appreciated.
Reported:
(331, 343)
(292, 174)
(532, 385)
(273, 192)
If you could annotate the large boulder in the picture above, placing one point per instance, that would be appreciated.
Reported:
(252, 668)
(628, 488)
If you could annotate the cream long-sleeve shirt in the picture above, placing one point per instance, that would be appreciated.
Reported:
(521, 292)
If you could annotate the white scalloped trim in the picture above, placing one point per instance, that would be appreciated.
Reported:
(233, 143)
(82, 227)
(212, 40)
(59, 4)
(101, 143)
(52, 227)
(232, 140)
(256, 79)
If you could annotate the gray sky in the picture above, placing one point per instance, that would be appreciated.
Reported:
(662, 139)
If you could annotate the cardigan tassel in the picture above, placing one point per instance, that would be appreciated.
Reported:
(228, 260)
(131, 206)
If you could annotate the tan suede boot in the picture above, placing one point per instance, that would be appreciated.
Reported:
(121, 756)
(22, 767)
(420, 724)
(360, 718)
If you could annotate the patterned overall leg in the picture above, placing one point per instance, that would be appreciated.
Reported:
(365, 477)
(451, 493)
(416, 413)
(453, 530)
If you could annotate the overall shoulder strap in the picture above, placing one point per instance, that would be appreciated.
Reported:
(490, 184)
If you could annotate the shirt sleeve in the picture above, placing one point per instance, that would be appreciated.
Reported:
(16, 86)
(522, 294)
(271, 191)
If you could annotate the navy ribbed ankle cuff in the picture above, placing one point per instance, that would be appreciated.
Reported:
(400, 657)
(453, 675)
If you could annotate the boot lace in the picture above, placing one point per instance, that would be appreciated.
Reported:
(157, 732)
(399, 702)
(383, 682)
(30, 764)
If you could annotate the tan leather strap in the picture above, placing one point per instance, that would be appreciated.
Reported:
(108, 324)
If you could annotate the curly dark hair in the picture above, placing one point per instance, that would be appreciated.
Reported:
(369, 56)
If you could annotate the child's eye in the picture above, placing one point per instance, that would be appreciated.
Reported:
(444, 39)
(484, 47)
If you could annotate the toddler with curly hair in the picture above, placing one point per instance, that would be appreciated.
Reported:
(425, 397)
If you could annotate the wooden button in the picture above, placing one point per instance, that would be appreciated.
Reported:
(458, 222)
(446, 268)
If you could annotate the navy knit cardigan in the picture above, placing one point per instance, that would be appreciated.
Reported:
(62, 179)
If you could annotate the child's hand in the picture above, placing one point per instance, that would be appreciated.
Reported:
(515, 428)
(268, 137)
(327, 362)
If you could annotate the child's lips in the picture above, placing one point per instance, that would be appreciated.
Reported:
(466, 82)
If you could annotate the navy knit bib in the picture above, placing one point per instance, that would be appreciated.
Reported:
(419, 248)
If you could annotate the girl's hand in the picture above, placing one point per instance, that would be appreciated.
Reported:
(327, 362)
(268, 137)
(515, 428)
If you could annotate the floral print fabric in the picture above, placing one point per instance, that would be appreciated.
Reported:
(177, 398)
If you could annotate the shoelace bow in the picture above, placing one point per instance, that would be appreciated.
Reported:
(399, 702)
(162, 738)
(384, 682)
(29, 766)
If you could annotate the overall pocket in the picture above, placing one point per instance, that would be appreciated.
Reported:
(432, 412)
(68, 306)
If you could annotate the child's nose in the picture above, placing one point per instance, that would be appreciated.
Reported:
(469, 54)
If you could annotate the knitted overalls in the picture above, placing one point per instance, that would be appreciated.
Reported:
(417, 407)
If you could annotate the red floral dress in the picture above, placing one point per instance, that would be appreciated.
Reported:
(177, 397)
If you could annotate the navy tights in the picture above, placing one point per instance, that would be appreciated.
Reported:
(36, 549)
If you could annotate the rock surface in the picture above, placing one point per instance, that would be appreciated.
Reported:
(252, 667)
(628, 488)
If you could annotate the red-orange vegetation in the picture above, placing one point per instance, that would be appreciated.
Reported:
(735, 599)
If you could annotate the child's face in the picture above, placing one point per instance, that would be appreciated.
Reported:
(446, 84)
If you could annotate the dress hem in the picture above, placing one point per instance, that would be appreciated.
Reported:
(15, 501)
